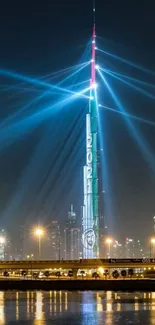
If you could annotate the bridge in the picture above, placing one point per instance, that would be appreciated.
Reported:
(78, 264)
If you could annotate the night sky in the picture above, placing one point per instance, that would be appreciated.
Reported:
(38, 37)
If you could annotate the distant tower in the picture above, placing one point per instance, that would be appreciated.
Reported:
(55, 240)
(75, 243)
(71, 216)
(70, 224)
(2, 244)
(90, 236)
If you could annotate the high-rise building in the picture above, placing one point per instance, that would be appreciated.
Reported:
(102, 235)
(2, 244)
(67, 243)
(22, 237)
(75, 243)
(71, 216)
(117, 250)
(21, 243)
(53, 241)
(90, 235)
(133, 248)
(68, 234)
(8, 250)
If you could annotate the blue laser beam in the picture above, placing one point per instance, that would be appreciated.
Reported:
(36, 99)
(45, 77)
(129, 78)
(10, 133)
(143, 145)
(138, 118)
(144, 92)
(35, 81)
(128, 62)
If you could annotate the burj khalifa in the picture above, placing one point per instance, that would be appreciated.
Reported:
(90, 222)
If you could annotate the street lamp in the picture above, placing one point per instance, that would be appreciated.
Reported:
(39, 232)
(152, 243)
(109, 242)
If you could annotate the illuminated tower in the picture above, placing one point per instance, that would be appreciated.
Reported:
(90, 236)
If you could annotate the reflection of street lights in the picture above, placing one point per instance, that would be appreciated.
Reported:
(39, 232)
(152, 243)
(109, 242)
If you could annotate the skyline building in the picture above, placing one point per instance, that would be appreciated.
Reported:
(71, 215)
(51, 243)
(67, 241)
(22, 239)
(133, 248)
(2, 244)
(90, 222)
(55, 241)
(75, 243)
(69, 234)
(102, 236)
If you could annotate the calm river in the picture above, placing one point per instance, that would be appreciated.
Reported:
(86, 308)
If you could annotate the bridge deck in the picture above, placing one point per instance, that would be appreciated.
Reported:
(79, 264)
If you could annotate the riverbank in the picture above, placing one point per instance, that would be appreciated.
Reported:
(114, 285)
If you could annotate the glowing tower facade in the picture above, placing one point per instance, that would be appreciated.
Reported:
(90, 236)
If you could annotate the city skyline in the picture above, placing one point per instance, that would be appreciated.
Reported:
(77, 162)
(66, 244)
(41, 177)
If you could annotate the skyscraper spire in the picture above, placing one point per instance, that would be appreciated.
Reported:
(94, 11)
(93, 50)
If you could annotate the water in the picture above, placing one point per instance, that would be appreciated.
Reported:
(76, 308)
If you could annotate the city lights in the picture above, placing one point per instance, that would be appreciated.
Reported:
(39, 232)
(109, 241)
(152, 247)
(87, 243)
(2, 240)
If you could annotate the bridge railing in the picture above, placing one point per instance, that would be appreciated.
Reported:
(84, 261)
